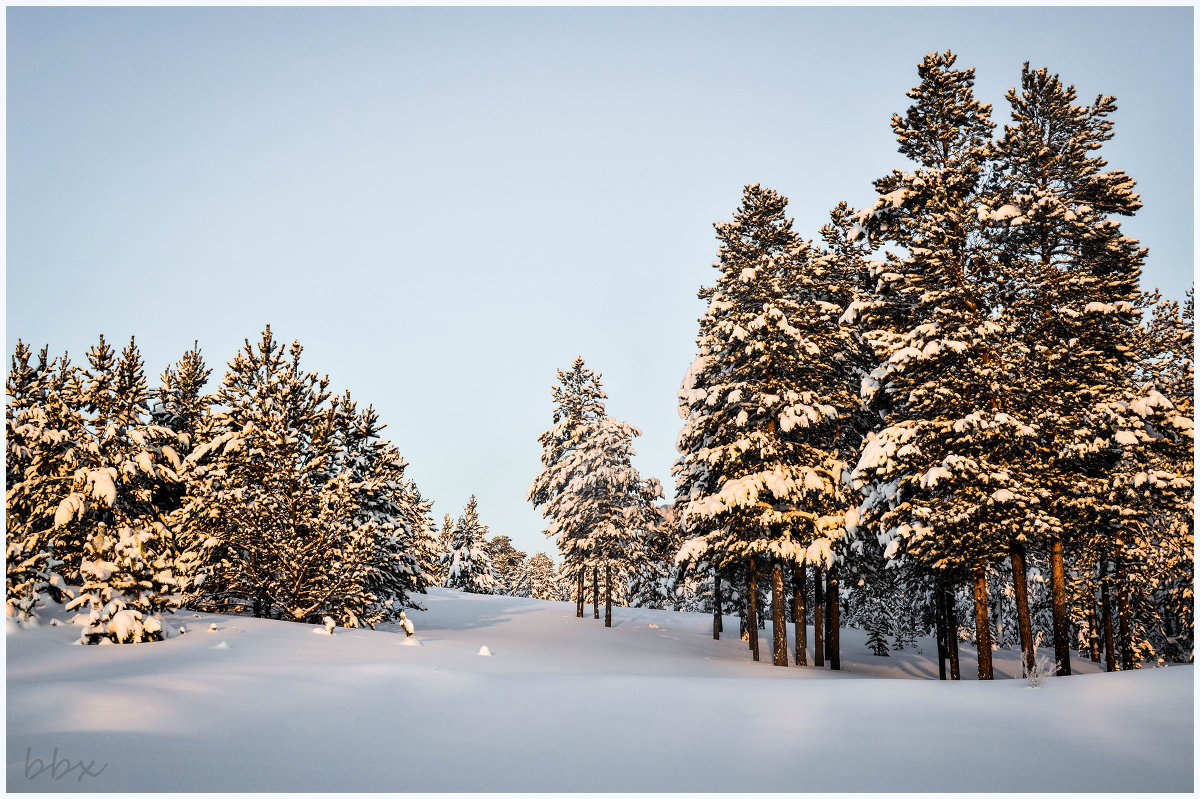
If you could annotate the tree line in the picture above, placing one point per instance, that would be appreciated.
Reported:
(271, 495)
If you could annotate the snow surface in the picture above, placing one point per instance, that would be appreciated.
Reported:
(563, 704)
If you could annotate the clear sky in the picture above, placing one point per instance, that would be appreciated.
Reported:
(446, 205)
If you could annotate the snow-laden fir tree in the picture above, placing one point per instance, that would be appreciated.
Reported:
(598, 505)
(768, 405)
(287, 526)
(45, 443)
(111, 524)
(389, 510)
(544, 578)
(1074, 278)
(509, 563)
(952, 481)
(468, 564)
(578, 407)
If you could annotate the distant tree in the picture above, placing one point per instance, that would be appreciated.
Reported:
(509, 563)
(578, 407)
(544, 578)
(469, 565)
(599, 505)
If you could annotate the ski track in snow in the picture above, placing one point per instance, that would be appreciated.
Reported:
(563, 704)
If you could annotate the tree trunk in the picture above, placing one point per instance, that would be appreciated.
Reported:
(952, 632)
(1021, 589)
(716, 604)
(778, 617)
(595, 592)
(1058, 595)
(818, 618)
(827, 610)
(752, 610)
(1093, 626)
(798, 590)
(983, 635)
(608, 595)
(579, 597)
(1110, 651)
(833, 629)
(1123, 614)
(939, 615)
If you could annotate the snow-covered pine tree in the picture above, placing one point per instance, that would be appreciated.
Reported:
(389, 510)
(543, 578)
(276, 516)
(468, 564)
(615, 504)
(509, 563)
(578, 407)
(127, 560)
(767, 404)
(1074, 289)
(44, 441)
(952, 480)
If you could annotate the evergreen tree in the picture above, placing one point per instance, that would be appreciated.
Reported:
(509, 563)
(45, 442)
(952, 480)
(768, 405)
(1076, 295)
(544, 578)
(281, 525)
(578, 408)
(468, 564)
(128, 564)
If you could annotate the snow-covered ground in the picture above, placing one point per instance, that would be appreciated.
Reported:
(563, 704)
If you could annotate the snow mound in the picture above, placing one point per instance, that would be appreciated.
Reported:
(484, 651)
(222, 645)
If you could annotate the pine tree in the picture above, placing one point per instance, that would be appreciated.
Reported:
(280, 522)
(44, 442)
(128, 564)
(509, 563)
(1076, 295)
(578, 408)
(469, 565)
(769, 403)
(953, 480)
(543, 578)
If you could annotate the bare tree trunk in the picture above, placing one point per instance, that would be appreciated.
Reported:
(752, 609)
(1093, 626)
(834, 630)
(1021, 589)
(579, 597)
(1110, 650)
(595, 592)
(983, 634)
(1058, 596)
(778, 617)
(827, 609)
(939, 615)
(716, 604)
(608, 595)
(818, 618)
(798, 591)
(952, 632)
(1124, 615)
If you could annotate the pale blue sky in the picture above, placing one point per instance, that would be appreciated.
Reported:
(446, 205)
